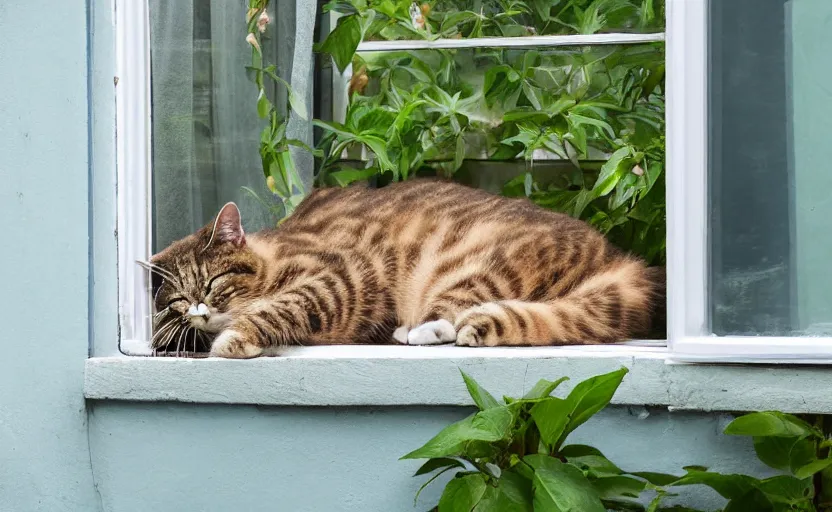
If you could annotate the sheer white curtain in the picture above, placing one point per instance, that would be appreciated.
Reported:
(206, 131)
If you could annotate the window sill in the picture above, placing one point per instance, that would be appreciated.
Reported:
(394, 375)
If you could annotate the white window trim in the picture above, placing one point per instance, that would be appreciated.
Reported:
(133, 158)
(687, 191)
(510, 42)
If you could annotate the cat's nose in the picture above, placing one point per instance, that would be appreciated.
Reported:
(200, 310)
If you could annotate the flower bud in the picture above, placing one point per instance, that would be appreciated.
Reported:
(262, 21)
(252, 40)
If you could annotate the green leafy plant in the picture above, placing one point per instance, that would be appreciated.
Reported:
(279, 168)
(512, 456)
(427, 111)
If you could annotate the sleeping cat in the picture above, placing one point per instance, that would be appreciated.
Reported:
(421, 262)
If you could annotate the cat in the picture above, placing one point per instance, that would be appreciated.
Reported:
(420, 262)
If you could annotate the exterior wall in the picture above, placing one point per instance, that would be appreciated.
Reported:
(811, 111)
(44, 261)
(183, 457)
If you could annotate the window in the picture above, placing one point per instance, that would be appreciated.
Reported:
(746, 108)
(750, 280)
(188, 130)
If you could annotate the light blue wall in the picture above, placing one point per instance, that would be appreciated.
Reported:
(810, 34)
(178, 457)
(44, 248)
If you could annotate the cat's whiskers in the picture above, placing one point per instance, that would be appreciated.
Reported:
(160, 313)
(163, 327)
(182, 336)
(157, 339)
(164, 274)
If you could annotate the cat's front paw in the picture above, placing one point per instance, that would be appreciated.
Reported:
(233, 345)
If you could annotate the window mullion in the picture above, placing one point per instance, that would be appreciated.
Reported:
(511, 42)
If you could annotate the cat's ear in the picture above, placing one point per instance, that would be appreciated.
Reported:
(228, 226)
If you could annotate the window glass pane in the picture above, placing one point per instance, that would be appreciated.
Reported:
(534, 121)
(504, 18)
(770, 108)
(206, 131)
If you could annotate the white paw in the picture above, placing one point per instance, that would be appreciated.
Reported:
(432, 333)
(467, 337)
(229, 345)
(400, 334)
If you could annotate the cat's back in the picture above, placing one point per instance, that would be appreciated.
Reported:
(420, 200)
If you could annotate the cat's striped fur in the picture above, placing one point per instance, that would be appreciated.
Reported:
(418, 262)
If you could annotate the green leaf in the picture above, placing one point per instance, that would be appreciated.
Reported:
(771, 423)
(774, 451)
(544, 387)
(560, 487)
(611, 172)
(812, 468)
(496, 421)
(543, 8)
(463, 493)
(264, 106)
(622, 505)
(597, 465)
(803, 452)
(551, 416)
(342, 42)
(434, 464)
(525, 114)
(753, 499)
(379, 148)
(481, 397)
(578, 120)
(592, 395)
(512, 494)
(303, 145)
(280, 180)
(346, 177)
(296, 101)
(611, 487)
(489, 425)
(459, 153)
(659, 479)
(580, 450)
(336, 128)
(788, 489)
(728, 486)
(429, 481)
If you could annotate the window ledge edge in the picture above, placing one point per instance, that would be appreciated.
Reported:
(429, 376)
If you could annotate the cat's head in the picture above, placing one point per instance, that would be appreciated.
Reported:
(200, 281)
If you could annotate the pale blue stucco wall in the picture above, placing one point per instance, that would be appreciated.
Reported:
(44, 278)
(181, 457)
(178, 457)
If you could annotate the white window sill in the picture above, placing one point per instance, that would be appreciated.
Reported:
(395, 375)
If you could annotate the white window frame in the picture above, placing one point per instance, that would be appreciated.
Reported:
(689, 336)
(133, 159)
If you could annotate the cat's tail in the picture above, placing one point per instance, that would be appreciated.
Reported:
(617, 304)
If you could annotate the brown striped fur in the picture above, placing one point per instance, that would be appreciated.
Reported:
(419, 262)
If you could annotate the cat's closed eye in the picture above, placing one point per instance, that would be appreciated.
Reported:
(218, 280)
(174, 300)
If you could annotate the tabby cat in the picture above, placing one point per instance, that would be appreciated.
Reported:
(419, 263)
